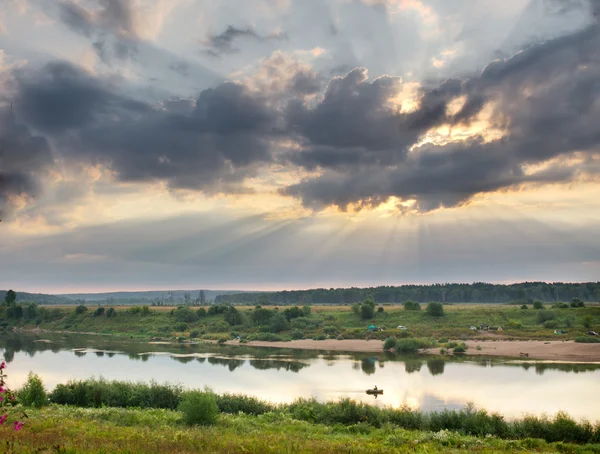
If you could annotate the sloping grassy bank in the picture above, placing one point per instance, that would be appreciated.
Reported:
(62, 429)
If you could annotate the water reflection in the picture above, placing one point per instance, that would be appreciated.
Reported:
(511, 388)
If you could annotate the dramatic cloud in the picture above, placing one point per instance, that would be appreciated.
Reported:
(225, 133)
(223, 42)
(546, 98)
(22, 157)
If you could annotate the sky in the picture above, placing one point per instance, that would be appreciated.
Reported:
(289, 144)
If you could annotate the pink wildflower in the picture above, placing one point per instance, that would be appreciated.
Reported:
(2, 389)
(18, 425)
(3, 365)
(3, 418)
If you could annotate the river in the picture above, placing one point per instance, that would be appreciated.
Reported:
(511, 388)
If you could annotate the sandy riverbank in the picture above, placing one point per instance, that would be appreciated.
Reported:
(555, 350)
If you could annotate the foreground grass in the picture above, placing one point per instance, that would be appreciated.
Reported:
(62, 429)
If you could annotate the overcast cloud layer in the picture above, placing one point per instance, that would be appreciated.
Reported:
(343, 104)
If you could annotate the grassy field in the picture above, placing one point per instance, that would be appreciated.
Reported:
(337, 322)
(62, 429)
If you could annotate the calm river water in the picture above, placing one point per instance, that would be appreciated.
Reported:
(428, 383)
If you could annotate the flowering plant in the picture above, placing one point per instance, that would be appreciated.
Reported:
(7, 400)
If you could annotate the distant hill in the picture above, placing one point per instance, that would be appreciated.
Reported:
(143, 297)
(39, 298)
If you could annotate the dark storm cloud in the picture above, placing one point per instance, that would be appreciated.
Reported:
(223, 43)
(215, 140)
(22, 156)
(546, 97)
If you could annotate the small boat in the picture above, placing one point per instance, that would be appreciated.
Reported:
(374, 391)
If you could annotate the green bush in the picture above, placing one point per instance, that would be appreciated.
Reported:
(320, 337)
(235, 403)
(194, 334)
(81, 309)
(538, 305)
(443, 340)
(199, 408)
(307, 310)
(435, 309)
(367, 309)
(145, 310)
(278, 323)
(297, 334)
(461, 348)
(587, 321)
(185, 315)
(389, 343)
(223, 340)
(551, 324)
(111, 312)
(524, 306)
(33, 394)
(233, 316)
(544, 316)
(135, 310)
(201, 313)
(407, 345)
(576, 303)
(587, 340)
(99, 312)
(412, 306)
(560, 306)
(380, 309)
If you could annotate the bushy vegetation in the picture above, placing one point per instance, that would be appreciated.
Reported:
(412, 306)
(199, 408)
(435, 309)
(33, 393)
(587, 340)
(203, 407)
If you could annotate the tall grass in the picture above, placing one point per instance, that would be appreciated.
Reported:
(346, 412)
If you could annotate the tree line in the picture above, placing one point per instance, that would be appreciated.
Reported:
(479, 292)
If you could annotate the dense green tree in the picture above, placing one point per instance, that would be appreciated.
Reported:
(435, 309)
(10, 298)
(233, 316)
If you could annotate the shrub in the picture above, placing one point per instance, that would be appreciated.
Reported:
(576, 302)
(435, 309)
(111, 312)
(233, 316)
(33, 393)
(223, 340)
(194, 334)
(235, 403)
(461, 348)
(538, 305)
(320, 337)
(380, 309)
(81, 309)
(306, 310)
(560, 306)
(199, 408)
(135, 310)
(407, 345)
(99, 312)
(443, 340)
(201, 313)
(587, 321)
(330, 330)
(551, 324)
(412, 306)
(587, 340)
(356, 308)
(293, 312)
(145, 310)
(297, 334)
(524, 306)
(181, 327)
(278, 323)
(389, 343)
(185, 314)
(544, 316)
(367, 309)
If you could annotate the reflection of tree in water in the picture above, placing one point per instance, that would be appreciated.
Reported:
(111, 354)
(266, 364)
(436, 366)
(9, 355)
(356, 365)
(79, 353)
(201, 359)
(412, 365)
(368, 365)
(230, 363)
(100, 354)
(183, 359)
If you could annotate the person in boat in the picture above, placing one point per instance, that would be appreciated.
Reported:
(375, 388)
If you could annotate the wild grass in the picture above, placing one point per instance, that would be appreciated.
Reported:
(197, 405)
(60, 429)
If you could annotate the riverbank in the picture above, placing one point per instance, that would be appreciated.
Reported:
(543, 350)
(90, 431)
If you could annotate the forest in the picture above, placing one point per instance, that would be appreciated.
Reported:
(521, 293)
